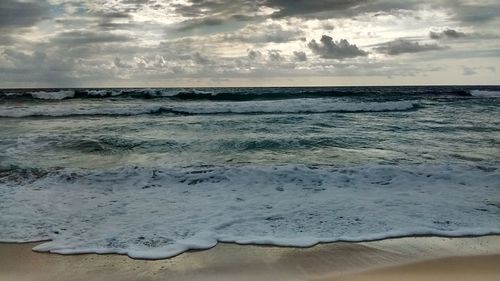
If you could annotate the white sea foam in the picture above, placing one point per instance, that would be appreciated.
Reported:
(101, 93)
(57, 95)
(74, 110)
(158, 213)
(282, 106)
(485, 94)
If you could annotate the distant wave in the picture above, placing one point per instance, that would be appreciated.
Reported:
(160, 212)
(303, 106)
(232, 94)
(485, 94)
(58, 95)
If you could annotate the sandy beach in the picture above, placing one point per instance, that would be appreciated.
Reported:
(419, 258)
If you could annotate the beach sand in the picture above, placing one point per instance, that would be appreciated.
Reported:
(416, 258)
(471, 268)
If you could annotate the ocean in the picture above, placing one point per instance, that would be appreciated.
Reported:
(152, 173)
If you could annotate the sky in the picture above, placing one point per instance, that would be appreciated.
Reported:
(203, 43)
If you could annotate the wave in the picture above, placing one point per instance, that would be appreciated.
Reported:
(160, 212)
(303, 106)
(59, 95)
(238, 94)
(485, 94)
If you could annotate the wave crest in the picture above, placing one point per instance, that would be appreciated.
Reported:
(304, 106)
(485, 94)
(237, 94)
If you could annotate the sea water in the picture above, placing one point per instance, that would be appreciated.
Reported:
(152, 173)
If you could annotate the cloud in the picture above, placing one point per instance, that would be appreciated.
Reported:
(478, 12)
(275, 56)
(300, 56)
(464, 10)
(83, 41)
(403, 46)
(303, 8)
(22, 60)
(109, 25)
(22, 13)
(328, 26)
(81, 37)
(467, 71)
(197, 23)
(202, 13)
(38, 66)
(121, 64)
(6, 40)
(266, 33)
(253, 55)
(196, 8)
(447, 34)
(200, 59)
(251, 9)
(328, 49)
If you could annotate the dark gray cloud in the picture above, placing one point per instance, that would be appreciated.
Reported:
(447, 34)
(116, 15)
(253, 55)
(465, 11)
(118, 62)
(275, 56)
(197, 23)
(137, 2)
(329, 49)
(303, 8)
(476, 13)
(285, 8)
(248, 9)
(80, 37)
(109, 25)
(403, 46)
(38, 66)
(202, 13)
(201, 59)
(300, 56)
(198, 8)
(22, 13)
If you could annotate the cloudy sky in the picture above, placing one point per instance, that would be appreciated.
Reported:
(162, 43)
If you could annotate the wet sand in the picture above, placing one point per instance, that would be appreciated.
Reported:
(419, 258)
(471, 268)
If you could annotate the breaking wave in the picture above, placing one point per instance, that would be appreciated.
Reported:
(235, 94)
(155, 213)
(303, 106)
(485, 94)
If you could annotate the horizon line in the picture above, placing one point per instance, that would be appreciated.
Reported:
(249, 87)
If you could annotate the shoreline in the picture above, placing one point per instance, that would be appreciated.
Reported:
(228, 261)
(37, 243)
